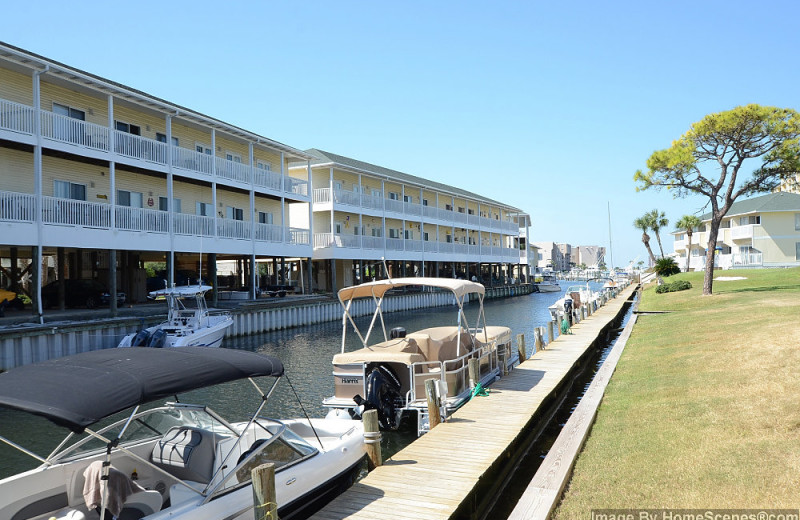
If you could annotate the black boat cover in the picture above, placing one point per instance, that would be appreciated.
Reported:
(77, 391)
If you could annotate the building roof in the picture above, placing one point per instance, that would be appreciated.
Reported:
(778, 201)
(323, 158)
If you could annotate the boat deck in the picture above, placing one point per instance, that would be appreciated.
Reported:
(439, 474)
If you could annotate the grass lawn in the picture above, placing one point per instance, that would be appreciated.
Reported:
(703, 410)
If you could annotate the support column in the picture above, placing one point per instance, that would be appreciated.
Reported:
(60, 275)
(112, 282)
(309, 286)
(253, 268)
(283, 270)
(334, 287)
(212, 274)
(36, 282)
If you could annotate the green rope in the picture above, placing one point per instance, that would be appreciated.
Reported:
(480, 391)
(565, 327)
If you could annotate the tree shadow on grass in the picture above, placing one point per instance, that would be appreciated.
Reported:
(763, 289)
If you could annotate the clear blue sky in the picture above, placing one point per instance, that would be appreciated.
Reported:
(548, 106)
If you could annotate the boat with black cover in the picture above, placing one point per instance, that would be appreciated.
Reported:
(176, 460)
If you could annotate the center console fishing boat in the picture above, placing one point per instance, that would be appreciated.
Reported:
(187, 461)
(189, 321)
(389, 374)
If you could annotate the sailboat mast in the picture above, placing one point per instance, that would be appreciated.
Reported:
(610, 247)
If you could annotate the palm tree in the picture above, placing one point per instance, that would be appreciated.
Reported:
(644, 223)
(688, 223)
(658, 220)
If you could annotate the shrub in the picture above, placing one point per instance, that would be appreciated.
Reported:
(677, 285)
(666, 267)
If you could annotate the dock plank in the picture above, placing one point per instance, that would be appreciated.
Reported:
(452, 459)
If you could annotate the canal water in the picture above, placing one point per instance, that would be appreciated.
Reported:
(306, 353)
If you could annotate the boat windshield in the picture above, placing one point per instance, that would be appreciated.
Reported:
(147, 425)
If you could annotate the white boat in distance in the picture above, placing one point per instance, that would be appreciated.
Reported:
(389, 375)
(189, 324)
(546, 282)
(574, 298)
(191, 463)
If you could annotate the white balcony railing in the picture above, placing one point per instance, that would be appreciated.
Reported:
(295, 185)
(394, 205)
(742, 232)
(138, 147)
(323, 240)
(234, 171)
(298, 236)
(413, 245)
(372, 202)
(412, 209)
(321, 195)
(267, 178)
(19, 207)
(196, 225)
(349, 198)
(429, 246)
(192, 160)
(231, 228)
(747, 259)
(75, 213)
(16, 117)
(394, 244)
(74, 131)
(269, 232)
(141, 219)
(370, 242)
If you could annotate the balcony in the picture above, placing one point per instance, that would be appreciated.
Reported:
(20, 207)
(747, 259)
(19, 118)
(742, 232)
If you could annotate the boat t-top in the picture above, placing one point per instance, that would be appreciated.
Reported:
(389, 372)
(175, 461)
(189, 321)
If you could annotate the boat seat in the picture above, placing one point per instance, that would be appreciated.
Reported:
(186, 452)
(141, 504)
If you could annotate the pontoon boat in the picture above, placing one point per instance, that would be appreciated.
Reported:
(389, 374)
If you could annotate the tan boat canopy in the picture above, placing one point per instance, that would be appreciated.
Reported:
(378, 288)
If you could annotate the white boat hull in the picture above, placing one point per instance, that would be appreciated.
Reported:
(548, 287)
(208, 336)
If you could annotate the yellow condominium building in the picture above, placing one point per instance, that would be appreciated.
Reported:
(757, 232)
(366, 215)
(99, 178)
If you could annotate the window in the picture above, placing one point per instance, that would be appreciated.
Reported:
(448, 207)
(377, 193)
(162, 138)
(201, 148)
(69, 190)
(204, 209)
(752, 219)
(64, 110)
(337, 186)
(449, 239)
(424, 202)
(797, 221)
(234, 213)
(408, 198)
(176, 204)
(358, 230)
(425, 236)
(393, 195)
(264, 217)
(409, 234)
(264, 165)
(131, 199)
(128, 128)
(394, 233)
(356, 188)
(377, 232)
(233, 157)
(337, 228)
(470, 212)
(460, 209)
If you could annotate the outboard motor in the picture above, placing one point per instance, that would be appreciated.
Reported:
(568, 309)
(397, 332)
(140, 339)
(383, 395)
(158, 339)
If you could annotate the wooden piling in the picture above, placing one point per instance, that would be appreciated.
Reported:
(372, 438)
(264, 498)
(521, 347)
(551, 331)
(434, 414)
(537, 340)
(474, 368)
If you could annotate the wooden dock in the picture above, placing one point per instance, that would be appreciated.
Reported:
(449, 472)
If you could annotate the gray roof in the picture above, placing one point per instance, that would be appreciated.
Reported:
(323, 157)
(777, 201)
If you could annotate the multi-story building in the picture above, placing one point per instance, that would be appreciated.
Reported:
(97, 175)
(566, 254)
(550, 256)
(757, 232)
(100, 180)
(790, 184)
(590, 256)
(364, 214)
